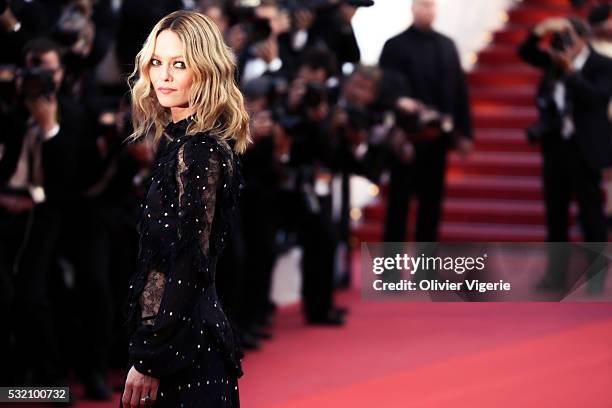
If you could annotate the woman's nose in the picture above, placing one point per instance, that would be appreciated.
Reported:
(166, 74)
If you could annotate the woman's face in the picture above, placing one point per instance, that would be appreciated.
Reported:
(170, 76)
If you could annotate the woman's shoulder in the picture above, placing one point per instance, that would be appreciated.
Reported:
(204, 146)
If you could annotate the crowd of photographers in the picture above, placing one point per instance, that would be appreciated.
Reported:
(70, 188)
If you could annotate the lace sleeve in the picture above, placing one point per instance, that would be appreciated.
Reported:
(197, 216)
(163, 345)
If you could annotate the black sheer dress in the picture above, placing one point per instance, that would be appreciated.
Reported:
(180, 333)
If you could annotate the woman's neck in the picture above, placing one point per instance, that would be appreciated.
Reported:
(179, 113)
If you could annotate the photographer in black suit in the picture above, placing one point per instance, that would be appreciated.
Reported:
(429, 64)
(574, 131)
(37, 173)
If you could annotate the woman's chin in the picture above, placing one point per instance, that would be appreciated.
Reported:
(167, 102)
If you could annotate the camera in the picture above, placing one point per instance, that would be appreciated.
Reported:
(36, 82)
(70, 25)
(315, 95)
(360, 118)
(536, 133)
(562, 41)
(259, 30)
(417, 122)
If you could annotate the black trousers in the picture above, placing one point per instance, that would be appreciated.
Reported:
(565, 174)
(317, 237)
(260, 226)
(28, 241)
(87, 242)
(424, 177)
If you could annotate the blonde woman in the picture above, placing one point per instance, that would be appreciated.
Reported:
(182, 348)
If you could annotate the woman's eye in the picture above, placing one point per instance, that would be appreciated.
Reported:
(155, 62)
(180, 64)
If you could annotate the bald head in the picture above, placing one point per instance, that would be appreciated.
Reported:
(424, 13)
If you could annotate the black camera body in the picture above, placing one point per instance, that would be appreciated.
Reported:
(36, 82)
(315, 95)
(535, 134)
(562, 41)
(360, 118)
(415, 122)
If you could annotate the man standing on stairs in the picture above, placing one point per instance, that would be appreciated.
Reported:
(574, 131)
(430, 66)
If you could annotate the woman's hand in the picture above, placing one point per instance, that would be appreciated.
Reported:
(138, 386)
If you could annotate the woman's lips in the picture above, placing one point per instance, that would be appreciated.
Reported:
(166, 91)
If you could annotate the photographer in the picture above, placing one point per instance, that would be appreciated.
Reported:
(573, 131)
(305, 151)
(355, 124)
(37, 177)
(435, 117)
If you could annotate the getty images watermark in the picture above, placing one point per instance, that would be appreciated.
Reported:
(411, 264)
(486, 271)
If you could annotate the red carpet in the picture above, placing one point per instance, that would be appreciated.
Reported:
(438, 355)
(394, 354)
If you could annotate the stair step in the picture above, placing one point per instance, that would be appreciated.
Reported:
(489, 187)
(478, 211)
(494, 187)
(502, 140)
(467, 232)
(492, 95)
(511, 76)
(534, 14)
(504, 118)
(562, 3)
(496, 163)
(494, 211)
(499, 54)
(511, 36)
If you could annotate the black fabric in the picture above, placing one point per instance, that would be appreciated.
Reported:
(430, 64)
(180, 331)
(566, 174)
(425, 179)
(60, 158)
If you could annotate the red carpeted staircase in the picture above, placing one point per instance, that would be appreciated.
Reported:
(494, 195)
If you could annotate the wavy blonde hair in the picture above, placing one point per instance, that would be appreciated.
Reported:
(218, 103)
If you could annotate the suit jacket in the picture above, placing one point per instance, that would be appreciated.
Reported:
(401, 55)
(59, 154)
(588, 93)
